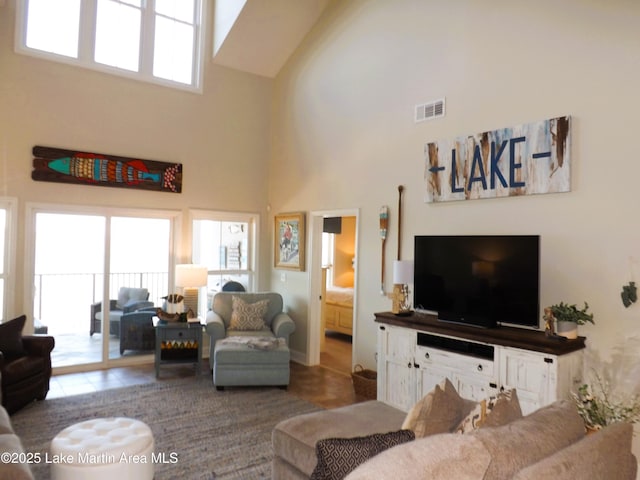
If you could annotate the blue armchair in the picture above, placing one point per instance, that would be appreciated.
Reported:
(278, 324)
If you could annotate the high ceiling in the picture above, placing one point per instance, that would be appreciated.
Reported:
(258, 36)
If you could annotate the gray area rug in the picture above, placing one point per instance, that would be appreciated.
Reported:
(215, 435)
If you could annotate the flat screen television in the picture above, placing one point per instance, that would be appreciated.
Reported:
(478, 280)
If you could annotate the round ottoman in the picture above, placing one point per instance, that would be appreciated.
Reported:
(103, 448)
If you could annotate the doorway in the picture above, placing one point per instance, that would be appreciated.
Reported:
(333, 326)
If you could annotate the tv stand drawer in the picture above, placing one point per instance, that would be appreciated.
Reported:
(462, 364)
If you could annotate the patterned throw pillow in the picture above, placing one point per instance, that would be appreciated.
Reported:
(476, 417)
(337, 457)
(506, 409)
(492, 412)
(248, 316)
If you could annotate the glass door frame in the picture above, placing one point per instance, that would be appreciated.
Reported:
(32, 209)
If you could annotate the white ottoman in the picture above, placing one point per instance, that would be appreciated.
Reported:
(103, 448)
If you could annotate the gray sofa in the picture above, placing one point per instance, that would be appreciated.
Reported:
(549, 443)
(16, 468)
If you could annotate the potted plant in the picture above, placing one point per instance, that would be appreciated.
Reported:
(568, 317)
(598, 407)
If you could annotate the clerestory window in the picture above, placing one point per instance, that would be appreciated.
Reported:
(153, 40)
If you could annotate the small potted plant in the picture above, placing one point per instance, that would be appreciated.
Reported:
(568, 317)
(599, 407)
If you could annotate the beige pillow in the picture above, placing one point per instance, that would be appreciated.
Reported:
(439, 411)
(247, 316)
(505, 409)
(492, 412)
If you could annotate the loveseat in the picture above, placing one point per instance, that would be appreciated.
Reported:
(15, 466)
(550, 443)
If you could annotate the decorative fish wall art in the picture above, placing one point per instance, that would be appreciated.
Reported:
(71, 166)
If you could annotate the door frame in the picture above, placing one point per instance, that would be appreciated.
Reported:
(315, 276)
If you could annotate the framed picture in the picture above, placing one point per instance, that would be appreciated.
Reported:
(289, 241)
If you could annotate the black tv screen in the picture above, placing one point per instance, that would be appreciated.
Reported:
(479, 280)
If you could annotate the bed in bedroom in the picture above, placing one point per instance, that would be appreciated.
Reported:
(337, 307)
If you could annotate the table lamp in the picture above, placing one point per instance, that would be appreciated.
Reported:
(402, 276)
(191, 277)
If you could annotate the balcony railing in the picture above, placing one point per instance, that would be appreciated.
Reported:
(62, 301)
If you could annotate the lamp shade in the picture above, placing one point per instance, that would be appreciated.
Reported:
(189, 275)
(403, 271)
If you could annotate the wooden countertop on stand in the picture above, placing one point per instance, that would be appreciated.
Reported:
(527, 339)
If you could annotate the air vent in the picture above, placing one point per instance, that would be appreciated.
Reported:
(429, 111)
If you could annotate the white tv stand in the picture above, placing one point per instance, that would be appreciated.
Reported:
(417, 352)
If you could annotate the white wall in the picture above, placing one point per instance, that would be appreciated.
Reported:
(344, 137)
(221, 137)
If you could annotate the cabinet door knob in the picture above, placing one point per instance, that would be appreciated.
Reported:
(409, 364)
(426, 355)
(480, 367)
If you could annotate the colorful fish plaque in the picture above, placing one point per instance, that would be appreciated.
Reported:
(71, 166)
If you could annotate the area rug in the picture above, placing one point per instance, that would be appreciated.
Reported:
(203, 433)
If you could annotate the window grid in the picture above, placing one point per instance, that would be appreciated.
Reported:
(189, 78)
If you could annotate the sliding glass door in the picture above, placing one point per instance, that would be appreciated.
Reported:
(140, 257)
(69, 263)
(83, 265)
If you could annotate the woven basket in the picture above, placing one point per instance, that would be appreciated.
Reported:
(365, 382)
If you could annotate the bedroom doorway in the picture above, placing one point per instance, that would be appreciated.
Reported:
(334, 278)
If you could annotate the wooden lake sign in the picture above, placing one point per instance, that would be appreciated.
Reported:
(527, 159)
(72, 166)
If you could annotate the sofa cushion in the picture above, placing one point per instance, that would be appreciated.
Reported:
(505, 410)
(5, 422)
(248, 316)
(439, 411)
(337, 457)
(127, 294)
(603, 455)
(11, 337)
(445, 456)
(294, 439)
(529, 439)
(18, 470)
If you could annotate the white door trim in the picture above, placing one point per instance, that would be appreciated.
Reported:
(315, 275)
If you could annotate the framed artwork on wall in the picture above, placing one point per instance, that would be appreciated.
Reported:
(289, 238)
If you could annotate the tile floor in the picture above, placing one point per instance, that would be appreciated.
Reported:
(328, 386)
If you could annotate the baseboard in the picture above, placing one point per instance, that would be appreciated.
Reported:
(298, 357)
